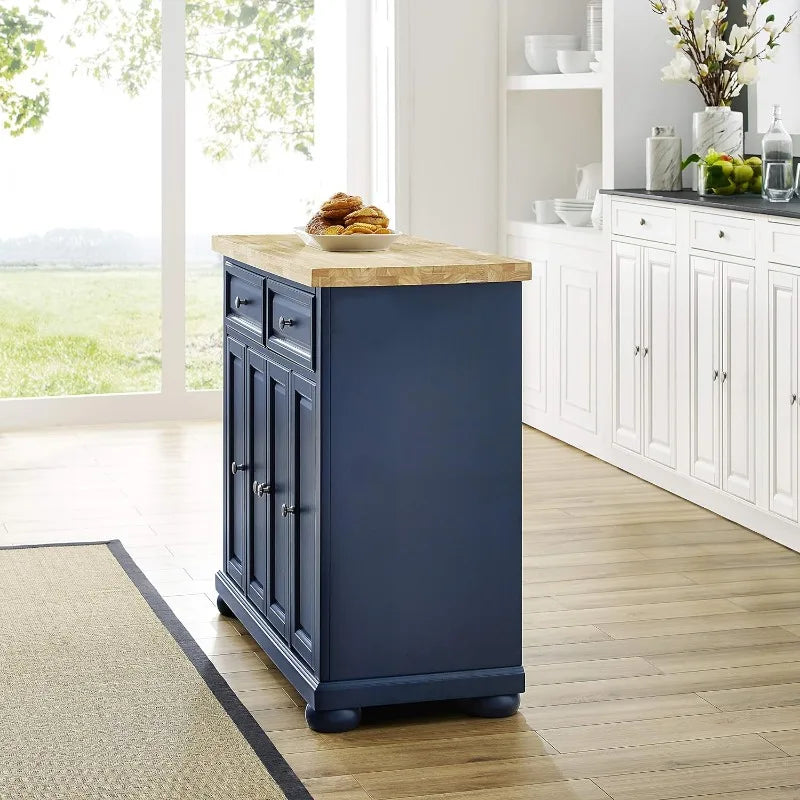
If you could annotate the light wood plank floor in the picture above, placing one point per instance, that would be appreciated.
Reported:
(662, 643)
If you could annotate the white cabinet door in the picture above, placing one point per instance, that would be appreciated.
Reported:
(738, 381)
(627, 342)
(534, 338)
(578, 346)
(705, 370)
(658, 356)
(783, 414)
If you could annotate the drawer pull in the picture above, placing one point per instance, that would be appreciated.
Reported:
(260, 489)
(716, 374)
(636, 350)
(794, 399)
(285, 322)
(643, 222)
(724, 376)
(238, 467)
(286, 510)
(645, 351)
(722, 234)
(239, 302)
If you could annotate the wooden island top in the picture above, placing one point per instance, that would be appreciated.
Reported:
(409, 262)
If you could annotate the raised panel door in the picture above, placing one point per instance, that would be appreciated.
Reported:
(534, 338)
(783, 413)
(658, 356)
(705, 370)
(627, 337)
(278, 477)
(738, 380)
(235, 461)
(578, 347)
(303, 519)
(258, 498)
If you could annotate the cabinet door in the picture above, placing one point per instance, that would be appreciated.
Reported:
(627, 334)
(705, 377)
(738, 381)
(257, 501)
(534, 338)
(278, 477)
(658, 356)
(236, 468)
(578, 346)
(783, 413)
(303, 524)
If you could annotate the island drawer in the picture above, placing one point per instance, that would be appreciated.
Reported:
(640, 221)
(733, 236)
(244, 300)
(784, 243)
(290, 322)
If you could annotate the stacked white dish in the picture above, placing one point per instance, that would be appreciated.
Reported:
(594, 25)
(541, 50)
(576, 213)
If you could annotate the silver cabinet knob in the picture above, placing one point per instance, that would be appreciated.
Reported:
(724, 376)
(722, 234)
(716, 374)
(643, 222)
(285, 322)
(794, 399)
(645, 351)
(238, 467)
(637, 350)
(260, 489)
(286, 510)
(240, 301)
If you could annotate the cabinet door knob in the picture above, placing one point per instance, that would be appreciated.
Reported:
(239, 302)
(722, 234)
(237, 467)
(716, 374)
(645, 351)
(637, 350)
(643, 222)
(260, 489)
(724, 376)
(285, 322)
(286, 510)
(794, 399)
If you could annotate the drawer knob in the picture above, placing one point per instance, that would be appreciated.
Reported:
(285, 322)
(240, 301)
(716, 374)
(286, 510)
(722, 234)
(643, 222)
(724, 376)
(637, 350)
(645, 351)
(238, 467)
(794, 399)
(260, 489)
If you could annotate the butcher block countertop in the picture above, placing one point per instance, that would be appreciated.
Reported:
(409, 262)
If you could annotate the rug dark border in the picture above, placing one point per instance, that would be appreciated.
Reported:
(263, 747)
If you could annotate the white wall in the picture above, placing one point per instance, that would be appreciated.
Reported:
(447, 125)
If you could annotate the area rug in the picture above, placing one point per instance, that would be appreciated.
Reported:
(104, 694)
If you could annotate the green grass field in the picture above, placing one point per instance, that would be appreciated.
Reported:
(98, 331)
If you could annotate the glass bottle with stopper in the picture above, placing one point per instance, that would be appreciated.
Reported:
(778, 159)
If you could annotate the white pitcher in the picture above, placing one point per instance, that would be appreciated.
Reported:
(589, 180)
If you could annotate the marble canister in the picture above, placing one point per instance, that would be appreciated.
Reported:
(664, 157)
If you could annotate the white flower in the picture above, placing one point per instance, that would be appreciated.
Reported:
(770, 27)
(748, 72)
(713, 15)
(737, 38)
(686, 9)
(679, 70)
(750, 9)
(700, 36)
(702, 70)
(720, 48)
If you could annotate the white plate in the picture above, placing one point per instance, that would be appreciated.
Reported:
(355, 243)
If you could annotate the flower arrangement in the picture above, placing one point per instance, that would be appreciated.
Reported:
(720, 59)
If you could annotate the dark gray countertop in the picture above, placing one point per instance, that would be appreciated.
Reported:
(748, 203)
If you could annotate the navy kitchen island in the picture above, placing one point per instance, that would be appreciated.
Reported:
(373, 475)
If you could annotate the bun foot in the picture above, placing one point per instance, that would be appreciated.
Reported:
(339, 721)
(500, 705)
(224, 608)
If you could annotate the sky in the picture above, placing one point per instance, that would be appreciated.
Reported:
(96, 163)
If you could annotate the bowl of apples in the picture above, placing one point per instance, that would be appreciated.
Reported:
(724, 175)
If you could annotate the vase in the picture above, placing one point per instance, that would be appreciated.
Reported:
(718, 128)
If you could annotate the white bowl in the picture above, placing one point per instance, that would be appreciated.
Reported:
(356, 243)
(573, 61)
(541, 50)
(575, 218)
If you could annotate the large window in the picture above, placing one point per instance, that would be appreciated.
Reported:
(134, 130)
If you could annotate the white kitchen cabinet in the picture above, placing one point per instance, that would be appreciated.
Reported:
(722, 387)
(738, 381)
(784, 291)
(643, 322)
(534, 337)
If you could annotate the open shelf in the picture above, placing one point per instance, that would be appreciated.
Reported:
(544, 83)
(556, 234)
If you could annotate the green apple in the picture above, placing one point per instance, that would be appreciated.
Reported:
(743, 173)
(726, 167)
(756, 184)
(753, 161)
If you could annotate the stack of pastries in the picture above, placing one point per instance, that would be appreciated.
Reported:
(344, 215)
